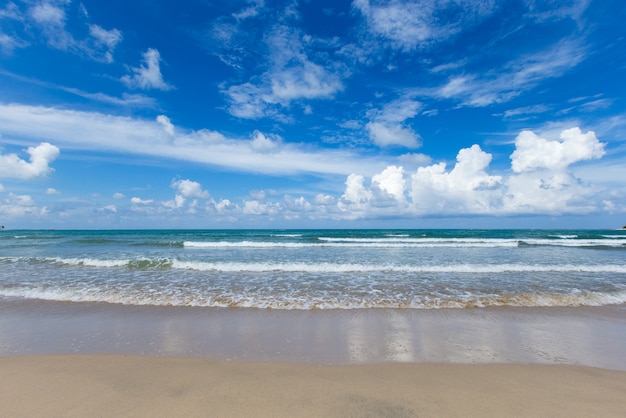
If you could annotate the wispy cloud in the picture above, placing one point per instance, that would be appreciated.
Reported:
(292, 76)
(512, 79)
(253, 9)
(97, 131)
(407, 25)
(49, 18)
(126, 99)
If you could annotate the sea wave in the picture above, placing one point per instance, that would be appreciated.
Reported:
(292, 302)
(302, 267)
(404, 242)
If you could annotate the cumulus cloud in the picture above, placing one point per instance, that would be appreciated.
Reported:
(543, 181)
(540, 181)
(186, 189)
(533, 152)
(148, 74)
(12, 166)
(190, 189)
(388, 127)
(467, 187)
(391, 181)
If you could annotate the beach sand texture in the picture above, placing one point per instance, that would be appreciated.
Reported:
(135, 386)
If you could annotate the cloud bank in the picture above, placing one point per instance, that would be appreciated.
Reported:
(531, 186)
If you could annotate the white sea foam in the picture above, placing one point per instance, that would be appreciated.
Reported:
(243, 244)
(321, 301)
(364, 268)
(355, 243)
(404, 242)
(324, 267)
(90, 262)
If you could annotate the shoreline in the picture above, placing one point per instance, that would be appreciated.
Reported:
(586, 336)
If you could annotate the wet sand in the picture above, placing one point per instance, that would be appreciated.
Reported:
(74, 359)
(577, 336)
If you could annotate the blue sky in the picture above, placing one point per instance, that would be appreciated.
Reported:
(288, 114)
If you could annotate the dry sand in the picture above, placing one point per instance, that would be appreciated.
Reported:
(136, 386)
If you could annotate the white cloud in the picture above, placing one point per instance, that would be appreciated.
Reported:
(139, 201)
(190, 189)
(388, 125)
(292, 76)
(262, 143)
(9, 43)
(324, 199)
(108, 208)
(167, 125)
(414, 159)
(19, 205)
(254, 8)
(412, 24)
(384, 135)
(96, 131)
(512, 79)
(540, 181)
(176, 203)
(47, 14)
(391, 181)
(186, 189)
(355, 200)
(1, 187)
(11, 166)
(10, 11)
(533, 152)
(526, 111)
(148, 74)
(254, 207)
(52, 191)
(106, 40)
(467, 187)
(51, 18)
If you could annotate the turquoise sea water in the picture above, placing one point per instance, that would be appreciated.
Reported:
(317, 269)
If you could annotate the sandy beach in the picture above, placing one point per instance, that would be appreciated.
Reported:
(77, 360)
(132, 386)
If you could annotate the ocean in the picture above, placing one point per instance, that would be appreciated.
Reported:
(317, 269)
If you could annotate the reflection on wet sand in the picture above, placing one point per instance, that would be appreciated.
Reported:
(583, 336)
